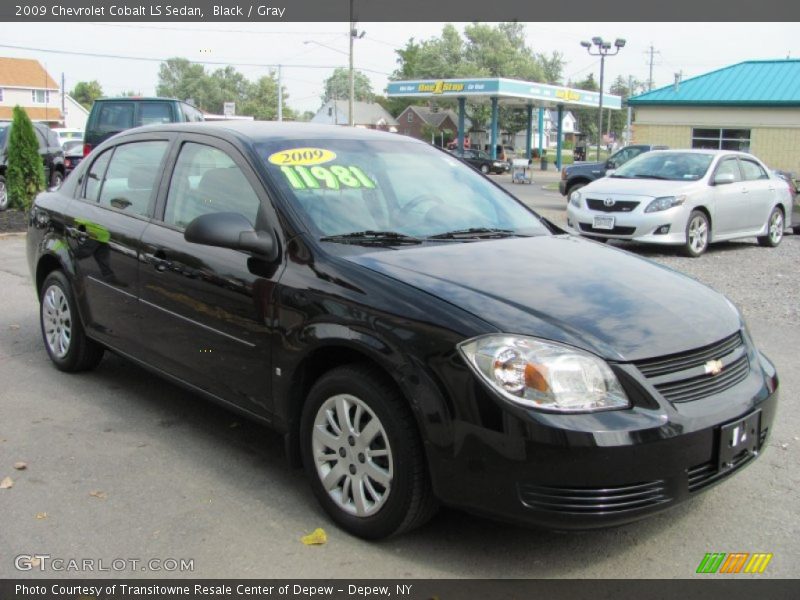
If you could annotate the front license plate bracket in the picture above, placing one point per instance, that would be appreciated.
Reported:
(739, 439)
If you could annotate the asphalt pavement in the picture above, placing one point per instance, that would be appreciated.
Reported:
(121, 465)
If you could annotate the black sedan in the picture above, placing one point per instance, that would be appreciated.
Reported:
(417, 334)
(482, 161)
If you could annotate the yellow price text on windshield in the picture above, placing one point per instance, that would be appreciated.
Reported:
(301, 156)
(334, 177)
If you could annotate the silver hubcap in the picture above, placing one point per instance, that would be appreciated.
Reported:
(698, 234)
(3, 198)
(776, 227)
(57, 321)
(352, 455)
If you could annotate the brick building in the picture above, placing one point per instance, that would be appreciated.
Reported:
(752, 106)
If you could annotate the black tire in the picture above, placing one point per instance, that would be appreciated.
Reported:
(56, 179)
(775, 227)
(698, 234)
(58, 314)
(3, 194)
(407, 501)
(485, 169)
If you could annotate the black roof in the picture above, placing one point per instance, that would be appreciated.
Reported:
(257, 131)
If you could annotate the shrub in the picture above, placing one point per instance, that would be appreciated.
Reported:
(25, 172)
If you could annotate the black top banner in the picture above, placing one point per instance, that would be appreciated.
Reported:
(400, 10)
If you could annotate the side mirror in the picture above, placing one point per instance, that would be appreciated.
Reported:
(611, 164)
(723, 178)
(231, 230)
(610, 172)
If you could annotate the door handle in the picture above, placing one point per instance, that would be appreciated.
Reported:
(159, 261)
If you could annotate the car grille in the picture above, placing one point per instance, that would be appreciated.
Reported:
(616, 231)
(702, 476)
(618, 206)
(682, 377)
(593, 500)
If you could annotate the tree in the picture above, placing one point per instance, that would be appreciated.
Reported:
(620, 87)
(86, 92)
(337, 86)
(261, 100)
(179, 78)
(25, 172)
(587, 117)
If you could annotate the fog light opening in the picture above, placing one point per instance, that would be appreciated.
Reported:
(663, 230)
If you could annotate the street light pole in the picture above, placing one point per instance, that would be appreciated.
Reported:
(350, 116)
(603, 50)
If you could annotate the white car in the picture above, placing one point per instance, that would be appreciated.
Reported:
(684, 197)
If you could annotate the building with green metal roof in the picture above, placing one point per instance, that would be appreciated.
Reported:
(752, 106)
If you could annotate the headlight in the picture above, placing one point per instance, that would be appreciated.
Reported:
(497, 164)
(544, 375)
(664, 203)
(575, 199)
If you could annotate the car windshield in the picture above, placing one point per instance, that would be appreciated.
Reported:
(392, 188)
(673, 166)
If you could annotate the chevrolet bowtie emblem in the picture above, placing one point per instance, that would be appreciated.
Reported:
(713, 367)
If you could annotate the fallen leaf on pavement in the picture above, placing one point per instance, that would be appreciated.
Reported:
(6, 483)
(315, 538)
(98, 494)
(41, 515)
(13, 327)
(20, 466)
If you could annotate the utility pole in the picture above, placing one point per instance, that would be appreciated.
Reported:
(652, 53)
(350, 104)
(628, 132)
(63, 101)
(280, 95)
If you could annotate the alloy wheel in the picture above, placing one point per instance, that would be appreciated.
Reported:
(776, 227)
(57, 321)
(352, 455)
(698, 233)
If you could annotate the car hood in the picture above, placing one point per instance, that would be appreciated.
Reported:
(639, 187)
(566, 289)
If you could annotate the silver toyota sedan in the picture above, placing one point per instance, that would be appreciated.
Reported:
(687, 198)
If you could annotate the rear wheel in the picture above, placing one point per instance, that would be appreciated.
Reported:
(485, 169)
(62, 331)
(57, 179)
(363, 454)
(574, 188)
(774, 229)
(698, 231)
(3, 194)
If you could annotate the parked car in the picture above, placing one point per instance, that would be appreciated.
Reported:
(416, 333)
(574, 177)
(73, 156)
(68, 133)
(109, 116)
(684, 197)
(49, 149)
(503, 152)
(482, 161)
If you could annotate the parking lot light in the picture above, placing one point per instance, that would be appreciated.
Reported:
(603, 50)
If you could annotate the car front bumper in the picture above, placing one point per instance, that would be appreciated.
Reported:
(636, 225)
(601, 469)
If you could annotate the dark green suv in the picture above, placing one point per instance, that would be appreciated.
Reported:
(109, 116)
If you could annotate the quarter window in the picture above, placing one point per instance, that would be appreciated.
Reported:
(131, 176)
(721, 139)
(206, 180)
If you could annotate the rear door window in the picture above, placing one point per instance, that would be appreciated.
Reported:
(131, 176)
(752, 171)
(153, 113)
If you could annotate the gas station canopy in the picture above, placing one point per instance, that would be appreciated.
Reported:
(504, 92)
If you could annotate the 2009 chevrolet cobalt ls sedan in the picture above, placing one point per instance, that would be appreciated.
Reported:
(416, 333)
(689, 198)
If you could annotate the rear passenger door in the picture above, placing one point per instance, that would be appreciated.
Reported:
(761, 193)
(207, 312)
(115, 200)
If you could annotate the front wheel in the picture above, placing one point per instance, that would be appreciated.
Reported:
(698, 231)
(57, 179)
(363, 454)
(62, 331)
(774, 229)
(485, 169)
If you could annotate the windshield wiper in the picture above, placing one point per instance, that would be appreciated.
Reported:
(473, 233)
(369, 237)
(649, 176)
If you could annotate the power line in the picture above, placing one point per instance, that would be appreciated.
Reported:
(199, 62)
(652, 51)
